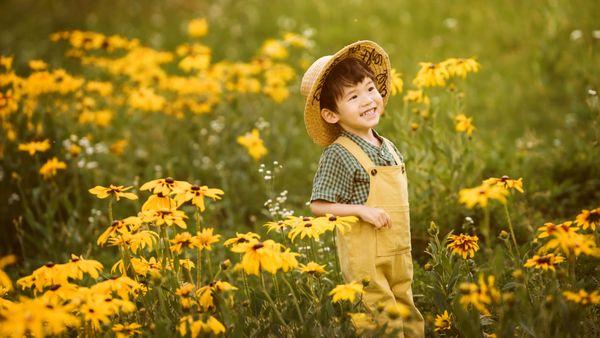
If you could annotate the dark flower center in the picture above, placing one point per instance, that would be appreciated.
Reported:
(333, 218)
(258, 246)
(169, 180)
(49, 264)
(195, 188)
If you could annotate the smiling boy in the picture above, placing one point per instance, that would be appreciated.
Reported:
(362, 174)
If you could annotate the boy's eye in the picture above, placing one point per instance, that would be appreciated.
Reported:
(371, 88)
(352, 97)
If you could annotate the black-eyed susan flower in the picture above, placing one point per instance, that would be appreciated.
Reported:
(196, 327)
(240, 241)
(431, 75)
(480, 195)
(117, 191)
(159, 202)
(443, 322)
(253, 144)
(35, 147)
(480, 295)
(342, 223)
(50, 168)
(582, 297)
(163, 185)
(80, 265)
(143, 267)
(588, 219)
(464, 124)
(206, 238)
(506, 182)
(550, 228)
(346, 292)
(126, 330)
(259, 256)
(312, 268)
(181, 241)
(165, 217)
(544, 262)
(463, 244)
(37, 318)
(276, 225)
(197, 194)
(305, 227)
(129, 224)
(135, 241)
(461, 66)
(362, 322)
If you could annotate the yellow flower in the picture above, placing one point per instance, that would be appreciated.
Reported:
(128, 224)
(205, 293)
(273, 49)
(6, 62)
(126, 330)
(397, 82)
(431, 74)
(260, 256)
(342, 223)
(582, 297)
(588, 218)
(278, 226)
(481, 194)
(33, 147)
(397, 310)
(118, 147)
(480, 295)
(506, 182)
(443, 322)
(550, 228)
(305, 227)
(163, 185)
(159, 202)
(572, 243)
(312, 268)
(463, 245)
(38, 317)
(544, 262)
(241, 241)
(116, 190)
(37, 65)
(416, 96)
(346, 292)
(205, 238)
(197, 28)
(5, 282)
(146, 99)
(142, 267)
(51, 166)
(464, 124)
(253, 143)
(288, 260)
(183, 240)
(460, 67)
(196, 194)
(135, 241)
(296, 40)
(165, 216)
(81, 266)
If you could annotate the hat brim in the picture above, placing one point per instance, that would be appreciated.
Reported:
(374, 57)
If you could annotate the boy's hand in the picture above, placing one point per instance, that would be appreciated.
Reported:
(376, 216)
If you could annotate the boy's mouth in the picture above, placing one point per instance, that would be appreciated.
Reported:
(369, 113)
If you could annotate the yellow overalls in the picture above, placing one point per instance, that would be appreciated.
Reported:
(382, 255)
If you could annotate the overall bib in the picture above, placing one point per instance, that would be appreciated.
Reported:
(382, 255)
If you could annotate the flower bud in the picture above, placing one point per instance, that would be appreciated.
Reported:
(225, 264)
(503, 235)
(365, 281)
(433, 229)
(518, 275)
(428, 266)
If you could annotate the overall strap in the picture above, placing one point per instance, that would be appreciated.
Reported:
(390, 148)
(357, 151)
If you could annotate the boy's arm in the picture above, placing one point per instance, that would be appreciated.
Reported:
(378, 217)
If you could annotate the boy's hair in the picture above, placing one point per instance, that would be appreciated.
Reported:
(347, 72)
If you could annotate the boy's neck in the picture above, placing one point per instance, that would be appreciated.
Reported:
(367, 135)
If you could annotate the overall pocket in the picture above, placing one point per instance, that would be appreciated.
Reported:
(396, 239)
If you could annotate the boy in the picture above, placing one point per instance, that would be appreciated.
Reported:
(362, 174)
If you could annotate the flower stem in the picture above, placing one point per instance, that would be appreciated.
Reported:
(277, 313)
(512, 233)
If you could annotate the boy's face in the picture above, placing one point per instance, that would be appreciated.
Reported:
(359, 108)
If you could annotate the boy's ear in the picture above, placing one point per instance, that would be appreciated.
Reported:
(329, 116)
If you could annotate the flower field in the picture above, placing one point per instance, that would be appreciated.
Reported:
(154, 175)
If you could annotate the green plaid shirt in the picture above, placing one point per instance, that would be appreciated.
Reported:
(340, 178)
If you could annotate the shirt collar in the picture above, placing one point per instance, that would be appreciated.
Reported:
(361, 142)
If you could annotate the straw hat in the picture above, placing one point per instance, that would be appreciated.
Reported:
(371, 54)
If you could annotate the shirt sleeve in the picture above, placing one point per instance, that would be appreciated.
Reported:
(333, 179)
